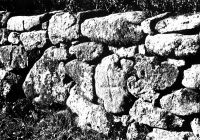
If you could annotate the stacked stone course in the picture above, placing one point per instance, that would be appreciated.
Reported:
(142, 71)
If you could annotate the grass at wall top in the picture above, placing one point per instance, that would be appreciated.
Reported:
(112, 6)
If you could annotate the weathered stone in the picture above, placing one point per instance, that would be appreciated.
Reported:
(146, 113)
(173, 45)
(181, 102)
(110, 82)
(175, 62)
(178, 23)
(195, 125)
(46, 82)
(25, 23)
(149, 76)
(148, 25)
(87, 51)
(13, 57)
(34, 39)
(3, 36)
(142, 49)
(4, 16)
(115, 29)
(14, 38)
(83, 74)
(192, 77)
(8, 84)
(159, 134)
(137, 131)
(63, 27)
(89, 115)
(125, 52)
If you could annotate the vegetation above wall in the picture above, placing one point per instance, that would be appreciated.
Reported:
(112, 6)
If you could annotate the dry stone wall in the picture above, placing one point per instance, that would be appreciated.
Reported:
(142, 72)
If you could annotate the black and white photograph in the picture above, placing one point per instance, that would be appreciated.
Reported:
(99, 70)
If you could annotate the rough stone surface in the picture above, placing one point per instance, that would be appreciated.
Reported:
(89, 115)
(178, 23)
(148, 25)
(182, 102)
(13, 57)
(149, 75)
(34, 39)
(195, 125)
(192, 77)
(46, 83)
(3, 36)
(173, 45)
(63, 27)
(124, 52)
(137, 131)
(110, 82)
(13, 38)
(25, 23)
(83, 74)
(176, 62)
(115, 29)
(159, 134)
(87, 51)
(146, 113)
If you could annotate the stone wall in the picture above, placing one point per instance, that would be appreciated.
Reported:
(138, 71)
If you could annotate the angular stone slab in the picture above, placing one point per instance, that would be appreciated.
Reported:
(83, 74)
(179, 23)
(182, 102)
(159, 134)
(173, 45)
(34, 39)
(89, 114)
(63, 28)
(150, 76)
(148, 25)
(45, 82)
(87, 51)
(25, 23)
(192, 77)
(110, 83)
(116, 29)
(146, 113)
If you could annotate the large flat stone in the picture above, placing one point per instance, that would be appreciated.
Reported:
(181, 102)
(33, 40)
(89, 114)
(25, 23)
(159, 134)
(146, 113)
(179, 23)
(173, 45)
(46, 82)
(115, 29)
